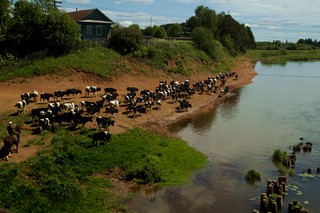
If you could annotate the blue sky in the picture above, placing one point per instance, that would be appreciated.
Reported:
(269, 20)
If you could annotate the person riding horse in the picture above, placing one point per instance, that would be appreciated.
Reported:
(12, 131)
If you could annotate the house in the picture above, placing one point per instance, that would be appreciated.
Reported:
(94, 24)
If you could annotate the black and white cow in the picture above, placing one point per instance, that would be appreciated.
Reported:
(93, 90)
(21, 106)
(59, 94)
(82, 120)
(73, 91)
(27, 96)
(109, 90)
(69, 107)
(102, 137)
(111, 110)
(46, 96)
(104, 122)
(40, 113)
(184, 104)
(44, 124)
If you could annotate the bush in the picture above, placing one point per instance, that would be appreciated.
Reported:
(253, 176)
(279, 155)
(145, 170)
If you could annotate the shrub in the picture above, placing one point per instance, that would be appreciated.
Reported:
(279, 155)
(145, 170)
(253, 176)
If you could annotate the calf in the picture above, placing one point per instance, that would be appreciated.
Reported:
(101, 136)
(21, 106)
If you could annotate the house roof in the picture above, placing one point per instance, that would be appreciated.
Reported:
(80, 16)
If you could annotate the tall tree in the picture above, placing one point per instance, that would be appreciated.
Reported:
(204, 40)
(37, 25)
(175, 30)
(204, 17)
(126, 39)
(4, 16)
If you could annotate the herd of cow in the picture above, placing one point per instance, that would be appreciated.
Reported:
(135, 103)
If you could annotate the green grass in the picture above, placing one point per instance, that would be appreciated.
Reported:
(63, 176)
(94, 60)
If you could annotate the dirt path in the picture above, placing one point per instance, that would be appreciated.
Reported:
(156, 120)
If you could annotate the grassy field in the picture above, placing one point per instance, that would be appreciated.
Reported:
(68, 175)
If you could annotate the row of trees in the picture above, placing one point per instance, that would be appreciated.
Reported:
(301, 44)
(27, 27)
(207, 30)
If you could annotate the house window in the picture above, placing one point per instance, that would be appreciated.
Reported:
(89, 29)
(99, 30)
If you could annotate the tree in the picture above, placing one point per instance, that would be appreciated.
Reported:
(175, 30)
(204, 40)
(126, 39)
(148, 31)
(204, 17)
(61, 32)
(159, 32)
(38, 25)
(4, 16)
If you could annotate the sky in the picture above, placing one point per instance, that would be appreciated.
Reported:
(284, 20)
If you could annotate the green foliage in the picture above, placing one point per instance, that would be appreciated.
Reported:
(64, 176)
(204, 40)
(126, 39)
(252, 176)
(174, 30)
(236, 37)
(283, 170)
(204, 17)
(37, 26)
(145, 170)
(279, 155)
(159, 32)
(61, 32)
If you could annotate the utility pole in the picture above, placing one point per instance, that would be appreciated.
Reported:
(55, 3)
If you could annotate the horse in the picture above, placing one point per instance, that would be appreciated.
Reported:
(11, 140)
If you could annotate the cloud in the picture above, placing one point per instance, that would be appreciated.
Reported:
(141, 18)
(190, 1)
(134, 2)
(79, 1)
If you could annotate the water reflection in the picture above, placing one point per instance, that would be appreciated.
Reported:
(229, 107)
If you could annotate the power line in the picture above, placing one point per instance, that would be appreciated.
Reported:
(55, 3)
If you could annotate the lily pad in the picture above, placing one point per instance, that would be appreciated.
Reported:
(306, 202)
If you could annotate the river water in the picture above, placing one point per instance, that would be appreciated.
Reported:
(241, 133)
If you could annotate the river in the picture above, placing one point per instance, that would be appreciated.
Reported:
(241, 133)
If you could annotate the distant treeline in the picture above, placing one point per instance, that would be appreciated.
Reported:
(301, 44)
